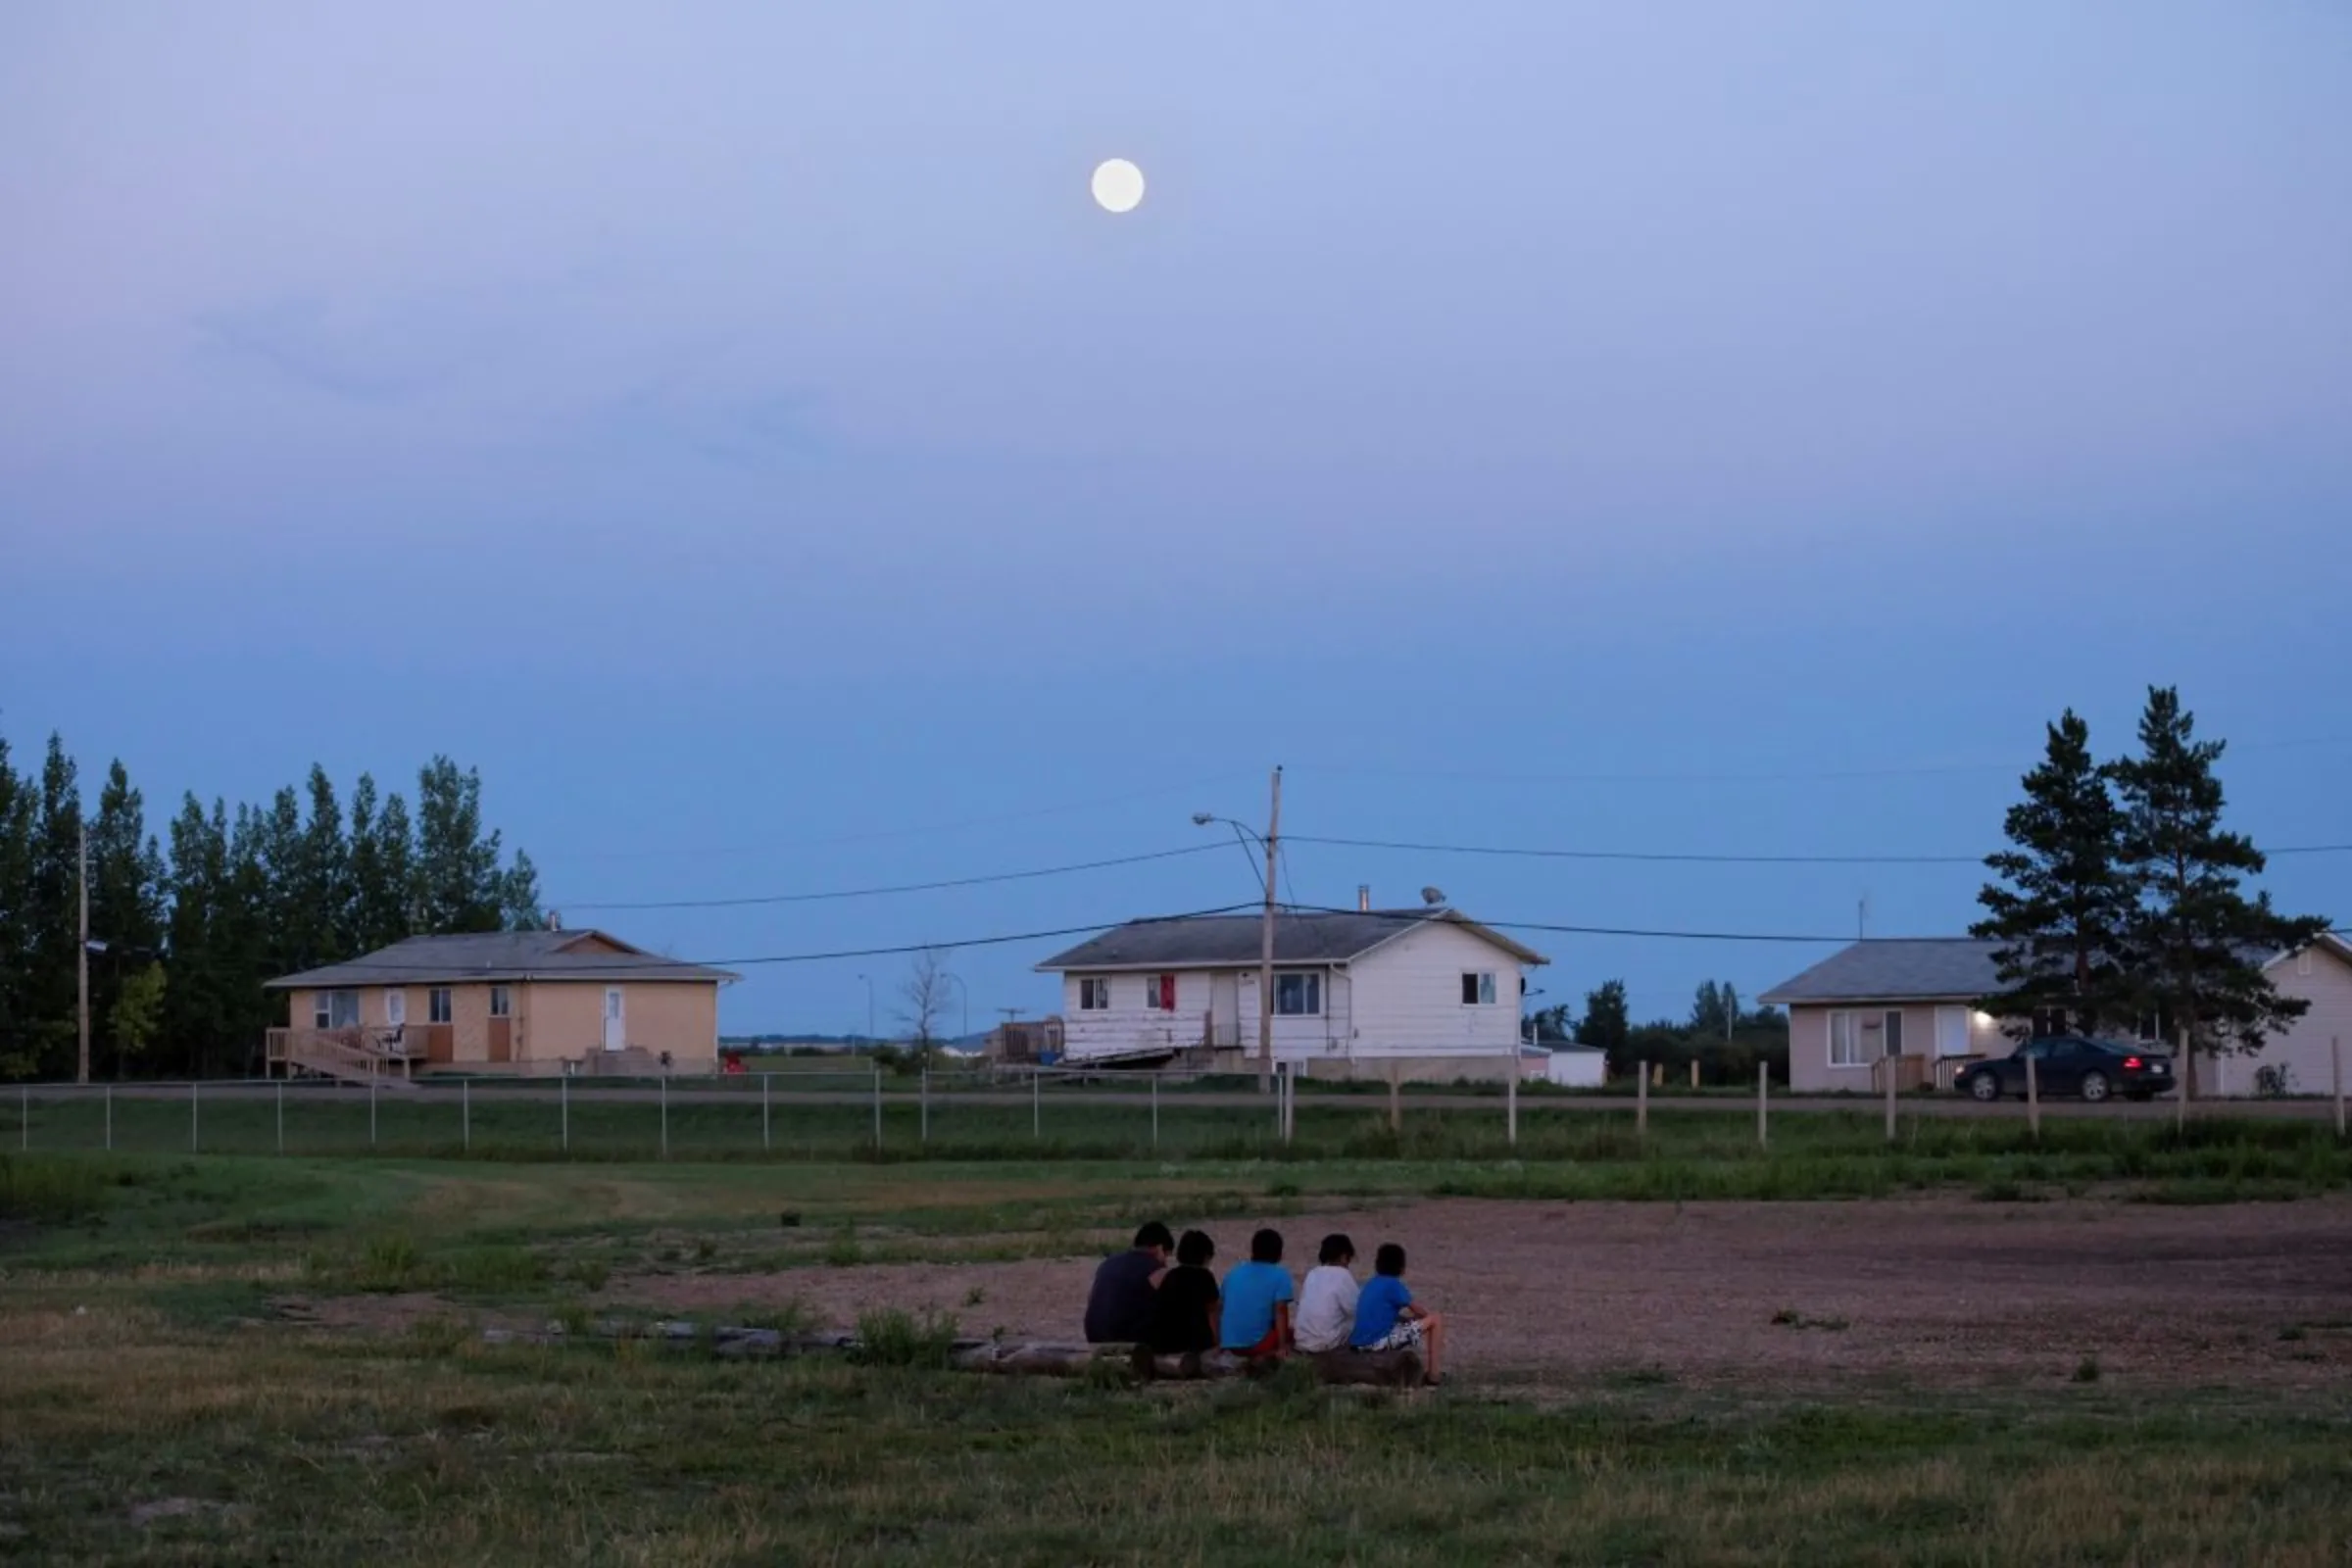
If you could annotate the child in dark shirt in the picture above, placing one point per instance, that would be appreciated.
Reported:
(1184, 1319)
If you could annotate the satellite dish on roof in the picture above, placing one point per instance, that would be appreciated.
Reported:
(1432, 896)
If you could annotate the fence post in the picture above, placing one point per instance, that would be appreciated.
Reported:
(563, 1101)
(922, 1093)
(1510, 1104)
(466, 1115)
(2183, 1070)
(1037, 1113)
(1695, 1072)
(2340, 1108)
(664, 1081)
(372, 1111)
(1642, 1102)
(1887, 1061)
(1763, 1096)
(877, 1104)
(2033, 1101)
(110, 1118)
(2336, 1051)
(765, 1142)
(1396, 1100)
(281, 1115)
(195, 1140)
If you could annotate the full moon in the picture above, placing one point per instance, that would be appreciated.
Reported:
(1118, 185)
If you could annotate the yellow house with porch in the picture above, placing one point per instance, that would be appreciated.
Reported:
(503, 1001)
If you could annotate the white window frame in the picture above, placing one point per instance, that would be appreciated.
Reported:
(502, 1002)
(1480, 983)
(1155, 987)
(1094, 993)
(323, 1010)
(1309, 984)
(439, 1005)
(1846, 1023)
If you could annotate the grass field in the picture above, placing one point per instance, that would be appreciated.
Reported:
(259, 1358)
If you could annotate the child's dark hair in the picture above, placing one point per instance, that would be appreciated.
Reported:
(1195, 1250)
(1153, 1234)
(1337, 1249)
(1266, 1248)
(1389, 1260)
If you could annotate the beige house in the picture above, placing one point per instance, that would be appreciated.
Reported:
(1910, 1007)
(506, 1001)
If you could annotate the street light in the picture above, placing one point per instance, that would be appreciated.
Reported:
(1265, 941)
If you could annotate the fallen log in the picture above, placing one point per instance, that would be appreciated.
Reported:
(1356, 1368)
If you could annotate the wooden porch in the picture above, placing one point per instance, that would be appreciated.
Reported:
(360, 1055)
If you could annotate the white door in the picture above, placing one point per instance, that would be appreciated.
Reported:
(1952, 1031)
(396, 1008)
(617, 1029)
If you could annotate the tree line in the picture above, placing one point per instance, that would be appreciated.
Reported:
(185, 928)
(2120, 901)
(1723, 1035)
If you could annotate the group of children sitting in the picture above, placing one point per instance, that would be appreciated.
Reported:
(1138, 1298)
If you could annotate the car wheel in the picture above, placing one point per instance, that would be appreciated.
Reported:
(2095, 1087)
(1985, 1086)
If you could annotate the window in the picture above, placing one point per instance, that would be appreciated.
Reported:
(502, 1002)
(1845, 1042)
(1478, 990)
(1894, 1034)
(437, 1004)
(1299, 995)
(1094, 993)
(335, 1009)
(1159, 993)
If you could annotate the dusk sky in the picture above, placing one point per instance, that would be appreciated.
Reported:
(1678, 427)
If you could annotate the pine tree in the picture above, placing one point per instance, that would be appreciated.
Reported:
(1604, 1023)
(519, 897)
(56, 912)
(2061, 905)
(18, 816)
(2197, 942)
(324, 886)
(127, 900)
(198, 1011)
(387, 898)
(1707, 1010)
(457, 876)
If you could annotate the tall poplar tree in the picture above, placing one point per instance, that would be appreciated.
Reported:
(126, 906)
(2198, 944)
(2061, 905)
(18, 816)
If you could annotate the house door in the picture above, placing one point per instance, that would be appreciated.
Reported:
(617, 1029)
(395, 1008)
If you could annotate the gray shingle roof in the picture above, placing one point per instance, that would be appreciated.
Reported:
(1891, 969)
(1233, 941)
(499, 955)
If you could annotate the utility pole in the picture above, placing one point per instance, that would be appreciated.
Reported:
(1265, 949)
(81, 962)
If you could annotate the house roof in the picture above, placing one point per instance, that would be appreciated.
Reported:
(1926, 970)
(500, 955)
(1892, 969)
(1234, 941)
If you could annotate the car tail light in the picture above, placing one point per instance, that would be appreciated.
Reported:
(2131, 1062)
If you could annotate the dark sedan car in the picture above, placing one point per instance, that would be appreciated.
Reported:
(2095, 1069)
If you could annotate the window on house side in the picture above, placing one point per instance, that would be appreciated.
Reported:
(437, 1009)
(1299, 995)
(335, 1009)
(1478, 990)
(1845, 1044)
(502, 1002)
(1094, 993)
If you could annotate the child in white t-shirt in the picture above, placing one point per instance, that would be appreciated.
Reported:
(1327, 1300)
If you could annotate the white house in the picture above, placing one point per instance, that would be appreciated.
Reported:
(1915, 999)
(1426, 992)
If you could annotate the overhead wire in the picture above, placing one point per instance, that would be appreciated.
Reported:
(1701, 858)
(754, 899)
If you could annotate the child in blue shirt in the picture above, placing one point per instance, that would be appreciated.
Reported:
(1386, 1318)
(1257, 1302)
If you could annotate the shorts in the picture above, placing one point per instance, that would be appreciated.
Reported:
(1406, 1336)
(1264, 1350)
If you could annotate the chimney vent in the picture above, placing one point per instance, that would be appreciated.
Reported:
(1364, 896)
(555, 920)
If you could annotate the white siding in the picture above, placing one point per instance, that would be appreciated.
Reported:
(1576, 1069)
(1408, 999)
(1129, 1025)
(2303, 1051)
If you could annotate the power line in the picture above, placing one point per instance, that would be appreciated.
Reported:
(1696, 858)
(903, 887)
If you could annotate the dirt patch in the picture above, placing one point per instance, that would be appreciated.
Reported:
(1939, 1290)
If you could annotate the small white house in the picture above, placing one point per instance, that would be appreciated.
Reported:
(1428, 992)
(1576, 1066)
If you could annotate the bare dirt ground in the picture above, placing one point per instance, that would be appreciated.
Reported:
(1939, 1290)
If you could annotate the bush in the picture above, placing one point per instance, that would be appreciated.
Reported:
(894, 1337)
(44, 1191)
